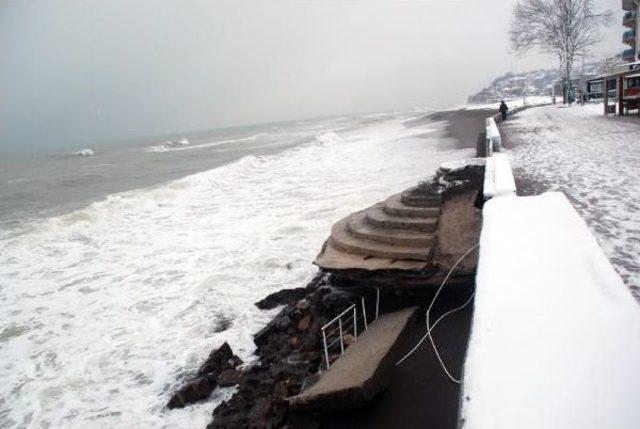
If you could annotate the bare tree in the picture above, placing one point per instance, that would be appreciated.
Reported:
(565, 28)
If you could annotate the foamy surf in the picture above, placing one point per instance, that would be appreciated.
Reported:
(85, 152)
(184, 144)
(107, 309)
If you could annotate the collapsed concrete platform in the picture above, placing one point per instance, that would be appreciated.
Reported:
(360, 374)
(411, 238)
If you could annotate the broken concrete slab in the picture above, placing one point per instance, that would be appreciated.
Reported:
(360, 374)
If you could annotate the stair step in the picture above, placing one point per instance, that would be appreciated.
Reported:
(395, 207)
(342, 239)
(359, 228)
(417, 200)
(376, 217)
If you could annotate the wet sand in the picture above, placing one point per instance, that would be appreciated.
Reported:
(463, 126)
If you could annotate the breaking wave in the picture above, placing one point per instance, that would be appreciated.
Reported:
(169, 145)
(179, 146)
(85, 152)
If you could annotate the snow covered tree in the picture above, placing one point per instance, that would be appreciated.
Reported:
(565, 28)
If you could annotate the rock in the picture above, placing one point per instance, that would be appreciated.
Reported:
(217, 361)
(304, 323)
(303, 304)
(235, 361)
(262, 336)
(283, 323)
(336, 301)
(229, 377)
(289, 348)
(220, 360)
(282, 297)
(194, 391)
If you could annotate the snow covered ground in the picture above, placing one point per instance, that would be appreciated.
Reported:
(595, 161)
(556, 335)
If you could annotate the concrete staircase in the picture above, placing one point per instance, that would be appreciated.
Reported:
(409, 241)
(401, 228)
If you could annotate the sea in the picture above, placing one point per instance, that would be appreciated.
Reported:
(123, 265)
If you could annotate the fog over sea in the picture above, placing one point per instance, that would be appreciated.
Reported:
(122, 266)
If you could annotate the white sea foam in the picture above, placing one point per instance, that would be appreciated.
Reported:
(107, 309)
(85, 152)
(185, 145)
(169, 145)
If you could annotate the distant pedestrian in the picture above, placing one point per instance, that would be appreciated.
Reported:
(503, 110)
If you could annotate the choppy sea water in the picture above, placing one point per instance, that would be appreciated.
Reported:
(107, 306)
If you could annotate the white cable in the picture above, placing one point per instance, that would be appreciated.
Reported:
(430, 328)
(435, 349)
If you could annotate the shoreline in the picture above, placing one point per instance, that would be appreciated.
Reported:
(199, 253)
(387, 407)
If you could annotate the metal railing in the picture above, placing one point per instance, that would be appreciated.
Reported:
(628, 35)
(344, 324)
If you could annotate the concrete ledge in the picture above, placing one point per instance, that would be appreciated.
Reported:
(556, 334)
(498, 177)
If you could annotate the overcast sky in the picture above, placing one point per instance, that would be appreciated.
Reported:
(84, 72)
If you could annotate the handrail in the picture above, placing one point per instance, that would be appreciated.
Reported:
(352, 322)
(338, 316)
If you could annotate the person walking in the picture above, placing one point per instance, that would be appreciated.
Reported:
(503, 110)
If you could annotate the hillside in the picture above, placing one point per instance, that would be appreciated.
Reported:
(537, 82)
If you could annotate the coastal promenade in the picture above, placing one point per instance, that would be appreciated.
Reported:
(555, 331)
(595, 161)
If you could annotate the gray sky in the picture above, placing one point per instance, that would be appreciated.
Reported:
(83, 72)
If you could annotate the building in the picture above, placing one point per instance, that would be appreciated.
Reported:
(631, 36)
(620, 82)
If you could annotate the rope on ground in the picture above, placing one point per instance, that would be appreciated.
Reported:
(430, 327)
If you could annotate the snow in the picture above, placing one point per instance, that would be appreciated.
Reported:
(595, 161)
(493, 134)
(556, 334)
(460, 164)
(498, 177)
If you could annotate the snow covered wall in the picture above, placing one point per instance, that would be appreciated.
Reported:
(555, 341)
(498, 177)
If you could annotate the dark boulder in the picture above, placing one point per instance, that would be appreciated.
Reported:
(282, 297)
(219, 360)
(229, 377)
(290, 354)
(206, 380)
(194, 391)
